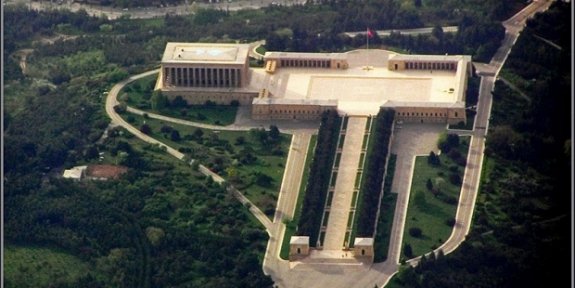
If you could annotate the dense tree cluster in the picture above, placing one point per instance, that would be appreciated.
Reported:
(372, 188)
(519, 236)
(319, 175)
(141, 230)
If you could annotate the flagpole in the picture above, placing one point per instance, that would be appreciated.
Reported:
(367, 56)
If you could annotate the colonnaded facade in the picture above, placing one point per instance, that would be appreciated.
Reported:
(421, 88)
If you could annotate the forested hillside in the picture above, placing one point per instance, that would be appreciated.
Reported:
(521, 228)
(163, 224)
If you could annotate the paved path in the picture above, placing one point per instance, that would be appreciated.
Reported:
(112, 101)
(117, 120)
(287, 201)
(344, 185)
(471, 178)
(261, 216)
(408, 142)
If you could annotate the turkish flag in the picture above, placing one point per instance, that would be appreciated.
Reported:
(369, 33)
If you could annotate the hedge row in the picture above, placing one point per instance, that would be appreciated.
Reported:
(320, 171)
(375, 169)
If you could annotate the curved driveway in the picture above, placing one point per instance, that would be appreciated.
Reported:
(117, 120)
(112, 101)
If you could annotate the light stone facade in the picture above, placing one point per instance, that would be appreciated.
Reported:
(421, 88)
(298, 247)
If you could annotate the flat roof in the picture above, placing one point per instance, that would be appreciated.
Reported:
(75, 172)
(413, 57)
(304, 55)
(361, 91)
(205, 53)
(363, 242)
(299, 240)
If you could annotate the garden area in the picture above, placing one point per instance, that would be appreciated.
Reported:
(435, 189)
(253, 161)
(140, 94)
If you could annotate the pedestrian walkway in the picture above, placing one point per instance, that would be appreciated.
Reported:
(344, 186)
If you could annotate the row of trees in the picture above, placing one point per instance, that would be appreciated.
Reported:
(372, 188)
(319, 175)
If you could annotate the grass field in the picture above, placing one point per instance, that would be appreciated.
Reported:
(431, 211)
(28, 266)
(291, 226)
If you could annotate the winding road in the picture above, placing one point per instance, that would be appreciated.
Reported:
(117, 120)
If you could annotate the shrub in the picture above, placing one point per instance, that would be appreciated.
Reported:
(433, 159)
(166, 129)
(146, 129)
(454, 154)
(179, 102)
(407, 251)
(455, 179)
(450, 222)
(429, 184)
(240, 140)
(415, 232)
(175, 135)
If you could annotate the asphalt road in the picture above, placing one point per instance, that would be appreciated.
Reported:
(286, 202)
(471, 178)
(112, 101)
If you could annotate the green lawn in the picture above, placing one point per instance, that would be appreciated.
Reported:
(29, 266)
(427, 211)
(291, 226)
(261, 49)
(222, 146)
(138, 93)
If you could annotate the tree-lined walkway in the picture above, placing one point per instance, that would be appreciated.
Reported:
(347, 170)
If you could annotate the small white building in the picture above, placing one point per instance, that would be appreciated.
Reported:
(298, 246)
(363, 247)
(76, 173)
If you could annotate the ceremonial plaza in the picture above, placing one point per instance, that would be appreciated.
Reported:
(421, 88)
